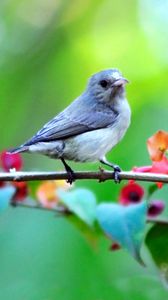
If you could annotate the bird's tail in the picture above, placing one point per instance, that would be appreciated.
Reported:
(20, 149)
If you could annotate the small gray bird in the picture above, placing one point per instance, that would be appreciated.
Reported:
(89, 127)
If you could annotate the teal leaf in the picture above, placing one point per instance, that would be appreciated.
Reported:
(157, 244)
(124, 224)
(6, 194)
(81, 202)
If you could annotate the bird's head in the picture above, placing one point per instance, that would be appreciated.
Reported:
(107, 85)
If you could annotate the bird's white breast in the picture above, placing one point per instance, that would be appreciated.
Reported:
(93, 145)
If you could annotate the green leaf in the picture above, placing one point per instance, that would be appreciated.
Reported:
(81, 202)
(6, 194)
(157, 243)
(125, 225)
(33, 185)
(152, 188)
(91, 234)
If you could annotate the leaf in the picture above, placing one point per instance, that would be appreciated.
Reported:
(157, 243)
(152, 188)
(124, 224)
(82, 202)
(91, 234)
(6, 194)
(33, 185)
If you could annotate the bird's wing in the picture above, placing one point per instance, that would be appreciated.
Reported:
(70, 123)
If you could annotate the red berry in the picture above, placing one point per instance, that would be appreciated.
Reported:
(2, 183)
(115, 246)
(155, 208)
(21, 191)
(131, 193)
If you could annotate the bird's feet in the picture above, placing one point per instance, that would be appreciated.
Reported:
(71, 176)
(117, 170)
(70, 172)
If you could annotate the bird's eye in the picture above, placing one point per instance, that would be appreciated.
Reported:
(103, 83)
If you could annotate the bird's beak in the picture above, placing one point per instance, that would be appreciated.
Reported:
(120, 81)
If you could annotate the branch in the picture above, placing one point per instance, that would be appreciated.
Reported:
(102, 175)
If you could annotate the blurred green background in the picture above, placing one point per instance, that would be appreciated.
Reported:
(48, 49)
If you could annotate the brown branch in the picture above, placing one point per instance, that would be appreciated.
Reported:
(102, 175)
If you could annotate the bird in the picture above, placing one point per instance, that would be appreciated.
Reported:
(89, 127)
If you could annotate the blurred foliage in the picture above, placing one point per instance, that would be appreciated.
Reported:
(125, 225)
(48, 49)
(158, 233)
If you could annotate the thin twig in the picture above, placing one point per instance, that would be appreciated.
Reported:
(102, 175)
(61, 210)
(157, 221)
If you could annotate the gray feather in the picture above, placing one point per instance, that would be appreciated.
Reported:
(83, 115)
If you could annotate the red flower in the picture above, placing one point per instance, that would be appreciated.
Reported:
(21, 191)
(131, 193)
(155, 208)
(10, 161)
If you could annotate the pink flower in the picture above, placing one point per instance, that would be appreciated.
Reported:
(131, 193)
(143, 169)
(160, 167)
(10, 161)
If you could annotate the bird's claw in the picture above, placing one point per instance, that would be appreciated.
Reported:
(71, 176)
(117, 170)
